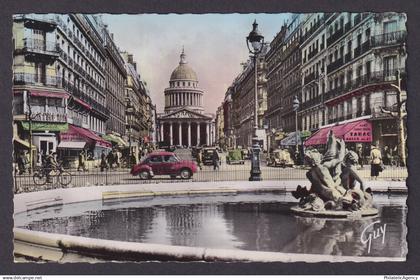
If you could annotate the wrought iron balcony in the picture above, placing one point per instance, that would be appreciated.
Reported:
(379, 77)
(37, 21)
(39, 47)
(335, 65)
(310, 78)
(312, 54)
(334, 37)
(312, 102)
(388, 39)
(35, 79)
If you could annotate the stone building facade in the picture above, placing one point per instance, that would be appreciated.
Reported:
(115, 77)
(243, 102)
(364, 51)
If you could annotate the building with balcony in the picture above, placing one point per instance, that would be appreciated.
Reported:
(291, 72)
(314, 54)
(275, 65)
(364, 51)
(39, 100)
(115, 76)
(136, 106)
(243, 102)
(227, 118)
(220, 135)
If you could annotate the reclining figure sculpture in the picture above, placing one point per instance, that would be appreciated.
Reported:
(333, 180)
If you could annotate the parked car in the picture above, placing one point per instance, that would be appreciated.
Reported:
(280, 157)
(234, 157)
(164, 163)
(208, 155)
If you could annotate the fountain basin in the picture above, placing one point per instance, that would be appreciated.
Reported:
(234, 199)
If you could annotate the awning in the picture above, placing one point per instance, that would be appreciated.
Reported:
(83, 103)
(41, 126)
(71, 145)
(115, 139)
(79, 134)
(24, 143)
(43, 93)
(357, 131)
(290, 140)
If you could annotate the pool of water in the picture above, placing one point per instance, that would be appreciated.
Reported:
(247, 221)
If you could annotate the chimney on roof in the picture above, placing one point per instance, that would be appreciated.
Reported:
(112, 36)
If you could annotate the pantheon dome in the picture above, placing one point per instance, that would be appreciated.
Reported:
(183, 91)
(184, 121)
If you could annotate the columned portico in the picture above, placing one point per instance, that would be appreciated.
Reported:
(171, 134)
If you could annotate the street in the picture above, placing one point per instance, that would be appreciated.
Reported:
(225, 173)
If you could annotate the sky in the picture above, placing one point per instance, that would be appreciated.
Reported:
(215, 46)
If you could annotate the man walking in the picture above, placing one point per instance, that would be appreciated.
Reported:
(216, 160)
(103, 161)
(82, 161)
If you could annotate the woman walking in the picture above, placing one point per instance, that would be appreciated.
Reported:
(376, 161)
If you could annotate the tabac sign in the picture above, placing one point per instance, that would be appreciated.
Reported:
(361, 132)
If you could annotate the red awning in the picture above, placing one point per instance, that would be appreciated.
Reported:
(357, 131)
(83, 103)
(54, 94)
(75, 133)
(45, 93)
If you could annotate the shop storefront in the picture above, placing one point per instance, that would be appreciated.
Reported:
(356, 133)
(76, 139)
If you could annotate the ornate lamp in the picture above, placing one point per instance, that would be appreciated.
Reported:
(256, 40)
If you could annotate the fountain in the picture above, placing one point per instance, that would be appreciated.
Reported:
(333, 191)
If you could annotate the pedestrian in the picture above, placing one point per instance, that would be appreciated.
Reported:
(21, 162)
(82, 161)
(110, 159)
(103, 163)
(376, 161)
(359, 152)
(200, 159)
(51, 164)
(118, 156)
(387, 155)
(216, 160)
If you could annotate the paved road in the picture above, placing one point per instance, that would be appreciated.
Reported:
(225, 173)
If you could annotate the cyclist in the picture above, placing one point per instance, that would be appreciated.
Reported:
(50, 165)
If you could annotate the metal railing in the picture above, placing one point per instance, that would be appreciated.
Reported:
(386, 39)
(334, 37)
(120, 176)
(335, 65)
(40, 46)
(387, 76)
(34, 79)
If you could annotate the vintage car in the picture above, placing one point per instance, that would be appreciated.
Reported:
(164, 163)
(235, 157)
(207, 154)
(280, 157)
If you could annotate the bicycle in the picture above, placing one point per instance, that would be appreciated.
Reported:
(40, 176)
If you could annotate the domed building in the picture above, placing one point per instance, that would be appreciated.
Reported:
(184, 121)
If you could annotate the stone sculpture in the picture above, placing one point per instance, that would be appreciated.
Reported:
(333, 180)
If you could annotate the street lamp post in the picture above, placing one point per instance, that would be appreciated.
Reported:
(296, 105)
(257, 43)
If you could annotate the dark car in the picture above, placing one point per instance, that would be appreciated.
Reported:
(208, 155)
(164, 163)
